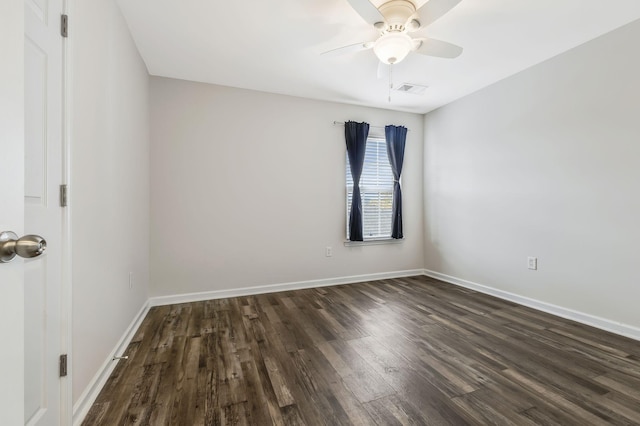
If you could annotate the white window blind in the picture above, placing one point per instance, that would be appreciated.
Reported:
(376, 190)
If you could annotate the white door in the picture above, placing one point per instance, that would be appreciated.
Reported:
(11, 209)
(42, 211)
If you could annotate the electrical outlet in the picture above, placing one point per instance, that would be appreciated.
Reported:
(328, 252)
(532, 263)
(130, 280)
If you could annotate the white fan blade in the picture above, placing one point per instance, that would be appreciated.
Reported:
(367, 10)
(383, 70)
(432, 10)
(352, 48)
(439, 48)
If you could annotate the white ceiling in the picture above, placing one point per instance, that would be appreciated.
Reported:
(274, 46)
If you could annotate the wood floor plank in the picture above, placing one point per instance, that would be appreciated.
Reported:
(402, 351)
(392, 410)
(142, 405)
(486, 407)
(584, 413)
(168, 378)
(432, 403)
(623, 384)
(364, 384)
(315, 389)
(619, 407)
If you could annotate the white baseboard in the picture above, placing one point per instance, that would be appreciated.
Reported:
(91, 392)
(581, 317)
(273, 288)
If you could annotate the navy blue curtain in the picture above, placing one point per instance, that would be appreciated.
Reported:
(355, 134)
(396, 137)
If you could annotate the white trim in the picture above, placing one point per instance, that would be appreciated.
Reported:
(91, 392)
(66, 287)
(373, 242)
(581, 317)
(273, 288)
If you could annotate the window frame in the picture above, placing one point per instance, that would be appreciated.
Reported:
(379, 138)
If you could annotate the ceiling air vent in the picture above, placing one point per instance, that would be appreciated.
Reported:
(414, 89)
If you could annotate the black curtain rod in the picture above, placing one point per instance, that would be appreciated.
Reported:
(341, 123)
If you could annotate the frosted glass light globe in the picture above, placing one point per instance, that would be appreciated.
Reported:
(393, 47)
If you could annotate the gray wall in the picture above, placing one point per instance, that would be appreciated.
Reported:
(547, 164)
(248, 190)
(109, 184)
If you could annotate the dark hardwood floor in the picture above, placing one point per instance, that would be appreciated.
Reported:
(399, 351)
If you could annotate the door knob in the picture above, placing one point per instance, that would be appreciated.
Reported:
(27, 246)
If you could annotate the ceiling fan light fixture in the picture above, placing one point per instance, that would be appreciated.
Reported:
(393, 47)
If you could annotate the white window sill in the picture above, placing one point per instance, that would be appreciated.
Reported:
(373, 242)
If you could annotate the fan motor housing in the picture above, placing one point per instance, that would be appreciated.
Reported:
(396, 14)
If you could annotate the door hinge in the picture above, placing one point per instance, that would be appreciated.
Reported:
(64, 25)
(63, 365)
(63, 196)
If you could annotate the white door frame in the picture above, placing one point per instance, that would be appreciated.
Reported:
(66, 300)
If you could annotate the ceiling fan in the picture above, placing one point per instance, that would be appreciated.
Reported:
(395, 19)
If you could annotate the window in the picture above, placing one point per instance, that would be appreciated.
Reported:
(376, 190)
